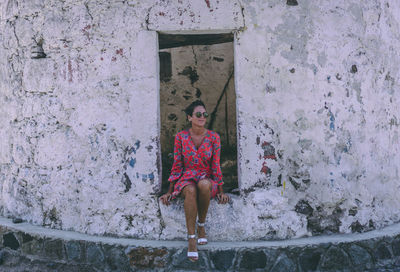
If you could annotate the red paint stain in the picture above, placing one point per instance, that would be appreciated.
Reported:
(113, 59)
(101, 58)
(161, 13)
(119, 52)
(271, 157)
(264, 168)
(86, 32)
(208, 3)
(264, 144)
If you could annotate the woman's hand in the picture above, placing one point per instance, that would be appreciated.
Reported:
(222, 198)
(165, 199)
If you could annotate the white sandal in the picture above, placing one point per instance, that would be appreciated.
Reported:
(201, 241)
(192, 255)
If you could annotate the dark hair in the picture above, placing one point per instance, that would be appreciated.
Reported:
(189, 109)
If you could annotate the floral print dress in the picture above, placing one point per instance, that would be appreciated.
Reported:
(192, 164)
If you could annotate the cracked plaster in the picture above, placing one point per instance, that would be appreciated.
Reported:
(317, 100)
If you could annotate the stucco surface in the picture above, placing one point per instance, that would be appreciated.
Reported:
(317, 106)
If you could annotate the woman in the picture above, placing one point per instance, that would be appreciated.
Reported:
(196, 174)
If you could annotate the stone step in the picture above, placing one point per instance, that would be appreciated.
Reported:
(25, 247)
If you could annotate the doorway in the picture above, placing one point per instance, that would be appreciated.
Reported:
(198, 66)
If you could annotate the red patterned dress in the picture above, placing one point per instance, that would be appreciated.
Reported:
(192, 164)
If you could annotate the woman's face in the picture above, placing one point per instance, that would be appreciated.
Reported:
(198, 121)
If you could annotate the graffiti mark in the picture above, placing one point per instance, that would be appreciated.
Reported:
(70, 78)
(208, 3)
(128, 183)
(119, 51)
(269, 151)
(265, 169)
(332, 121)
(85, 31)
(132, 162)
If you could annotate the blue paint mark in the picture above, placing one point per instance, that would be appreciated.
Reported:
(134, 149)
(137, 145)
(132, 162)
(332, 182)
(331, 173)
(332, 119)
(144, 177)
(151, 177)
(338, 158)
(137, 175)
(329, 79)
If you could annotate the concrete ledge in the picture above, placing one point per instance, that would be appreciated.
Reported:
(40, 249)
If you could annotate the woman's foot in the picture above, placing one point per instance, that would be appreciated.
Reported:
(201, 233)
(192, 254)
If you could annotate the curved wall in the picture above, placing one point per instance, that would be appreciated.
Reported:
(317, 101)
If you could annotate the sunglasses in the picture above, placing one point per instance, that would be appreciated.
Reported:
(199, 114)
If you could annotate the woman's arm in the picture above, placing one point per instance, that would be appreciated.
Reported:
(165, 198)
(176, 171)
(216, 169)
(215, 163)
(221, 196)
(177, 166)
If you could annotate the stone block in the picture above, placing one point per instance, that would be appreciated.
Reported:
(53, 249)
(74, 251)
(26, 237)
(141, 257)
(283, 264)
(94, 254)
(253, 260)
(10, 241)
(222, 259)
(181, 261)
(335, 258)
(34, 247)
(116, 258)
(383, 251)
(360, 257)
(396, 246)
(309, 259)
(2, 256)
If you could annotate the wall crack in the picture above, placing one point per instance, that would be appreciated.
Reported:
(88, 10)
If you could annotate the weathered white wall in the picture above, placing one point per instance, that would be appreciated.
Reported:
(317, 100)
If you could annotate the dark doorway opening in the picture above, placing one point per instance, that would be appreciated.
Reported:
(198, 67)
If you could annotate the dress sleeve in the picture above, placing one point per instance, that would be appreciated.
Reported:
(177, 167)
(215, 164)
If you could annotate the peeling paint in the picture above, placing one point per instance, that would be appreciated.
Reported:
(317, 114)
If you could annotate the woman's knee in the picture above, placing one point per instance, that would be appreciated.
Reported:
(190, 191)
(204, 185)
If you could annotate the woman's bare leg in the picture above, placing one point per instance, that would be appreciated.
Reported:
(203, 200)
(190, 206)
